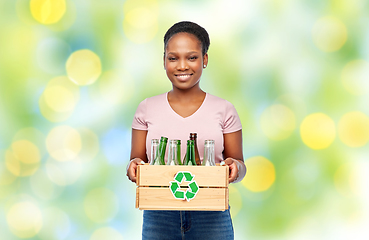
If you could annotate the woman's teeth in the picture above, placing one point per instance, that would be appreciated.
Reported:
(184, 76)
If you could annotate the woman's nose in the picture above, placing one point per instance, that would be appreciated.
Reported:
(182, 65)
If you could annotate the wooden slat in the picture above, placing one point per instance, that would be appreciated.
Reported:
(226, 197)
(137, 197)
(150, 175)
(227, 176)
(138, 173)
(207, 199)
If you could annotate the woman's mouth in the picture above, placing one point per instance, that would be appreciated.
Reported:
(183, 77)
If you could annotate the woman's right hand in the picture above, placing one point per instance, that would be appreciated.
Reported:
(132, 167)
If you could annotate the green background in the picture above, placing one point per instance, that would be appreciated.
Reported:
(299, 55)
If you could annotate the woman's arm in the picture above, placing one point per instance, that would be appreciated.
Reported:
(138, 152)
(138, 144)
(233, 156)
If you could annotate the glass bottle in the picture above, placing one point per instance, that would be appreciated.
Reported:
(190, 153)
(193, 136)
(174, 152)
(209, 154)
(154, 150)
(159, 159)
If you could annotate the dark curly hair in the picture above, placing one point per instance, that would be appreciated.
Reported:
(192, 28)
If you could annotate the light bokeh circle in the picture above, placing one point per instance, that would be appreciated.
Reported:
(329, 34)
(353, 129)
(90, 145)
(318, 131)
(355, 77)
(6, 177)
(26, 152)
(83, 67)
(24, 219)
(260, 174)
(50, 114)
(59, 99)
(32, 135)
(63, 143)
(48, 11)
(23, 158)
(64, 173)
(346, 181)
(278, 122)
(140, 23)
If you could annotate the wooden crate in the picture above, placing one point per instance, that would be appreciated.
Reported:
(154, 192)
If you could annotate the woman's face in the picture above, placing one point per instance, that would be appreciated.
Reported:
(183, 61)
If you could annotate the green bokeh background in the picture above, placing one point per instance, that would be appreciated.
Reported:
(261, 53)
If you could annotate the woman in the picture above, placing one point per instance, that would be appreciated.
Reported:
(184, 109)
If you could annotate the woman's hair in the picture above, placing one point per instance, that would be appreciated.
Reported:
(192, 28)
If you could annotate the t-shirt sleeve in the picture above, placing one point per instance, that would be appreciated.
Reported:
(139, 120)
(232, 122)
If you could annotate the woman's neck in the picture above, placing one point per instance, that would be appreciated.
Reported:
(186, 103)
(188, 95)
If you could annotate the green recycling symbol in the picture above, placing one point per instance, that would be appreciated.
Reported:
(192, 190)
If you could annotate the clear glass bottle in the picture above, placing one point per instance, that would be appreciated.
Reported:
(209, 154)
(193, 136)
(174, 152)
(154, 150)
(190, 154)
(159, 159)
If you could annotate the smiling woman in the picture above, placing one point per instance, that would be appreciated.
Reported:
(184, 61)
(185, 109)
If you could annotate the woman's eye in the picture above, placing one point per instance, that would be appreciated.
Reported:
(171, 58)
(193, 58)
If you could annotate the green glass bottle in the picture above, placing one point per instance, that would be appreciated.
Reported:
(179, 161)
(159, 160)
(190, 154)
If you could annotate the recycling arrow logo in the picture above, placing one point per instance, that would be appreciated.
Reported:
(192, 190)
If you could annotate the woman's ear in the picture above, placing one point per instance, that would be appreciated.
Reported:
(205, 60)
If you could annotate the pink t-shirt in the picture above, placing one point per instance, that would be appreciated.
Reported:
(214, 118)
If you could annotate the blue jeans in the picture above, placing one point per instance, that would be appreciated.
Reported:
(179, 225)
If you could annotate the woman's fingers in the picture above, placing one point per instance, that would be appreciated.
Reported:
(132, 167)
(233, 170)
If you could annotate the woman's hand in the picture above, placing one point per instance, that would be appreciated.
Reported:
(237, 169)
(233, 169)
(138, 153)
(132, 167)
(233, 156)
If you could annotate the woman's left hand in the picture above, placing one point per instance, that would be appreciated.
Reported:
(233, 169)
